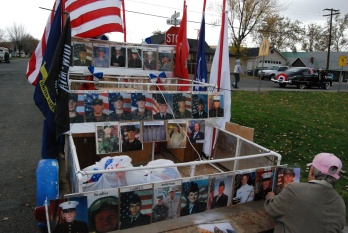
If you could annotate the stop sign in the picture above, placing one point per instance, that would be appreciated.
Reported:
(171, 35)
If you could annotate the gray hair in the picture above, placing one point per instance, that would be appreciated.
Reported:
(318, 175)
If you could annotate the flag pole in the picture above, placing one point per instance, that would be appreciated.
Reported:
(124, 22)
(219, 65)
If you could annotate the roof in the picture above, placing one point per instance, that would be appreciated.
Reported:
(319, 59)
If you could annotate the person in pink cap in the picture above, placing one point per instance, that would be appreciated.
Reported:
(314, 206)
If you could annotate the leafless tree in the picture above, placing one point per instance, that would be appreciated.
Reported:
(2, 35)
(17, 34)
(339, 33)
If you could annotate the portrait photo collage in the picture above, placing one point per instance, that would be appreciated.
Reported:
(138, 205)
(125, 120)
(110, 54)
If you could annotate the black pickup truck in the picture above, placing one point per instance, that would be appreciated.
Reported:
(302, 77)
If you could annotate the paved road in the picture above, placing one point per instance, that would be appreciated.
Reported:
(20, 140)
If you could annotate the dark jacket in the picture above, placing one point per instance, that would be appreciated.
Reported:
(142, 219)
(221, 202)
(197, 208)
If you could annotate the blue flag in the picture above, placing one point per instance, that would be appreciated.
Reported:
(43, 99)
(201, 74)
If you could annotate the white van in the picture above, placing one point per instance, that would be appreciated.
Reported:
(3, 50)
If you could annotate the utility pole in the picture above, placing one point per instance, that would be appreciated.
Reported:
(332, 12)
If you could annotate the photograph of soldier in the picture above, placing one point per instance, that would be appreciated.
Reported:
(94, 107)
(216, 110)
(81, 55)
(285, 176)
(74, 116)
(221, 198)
(132, 215)
(150, 60)
(117, 107)
(103, 215)
(165, 63)
(172, 201)
(69, 215)
(101, 56)
(176, 135)
(141, 108)
(130, 142)
(117, 58)
(265, 185)
(107, 141)
(196, 130)
(162, 103)
(200, 109)
(159, 211)
(193, 204)
(154, 131)
(244, 188)
(181, 104)
(134, 61)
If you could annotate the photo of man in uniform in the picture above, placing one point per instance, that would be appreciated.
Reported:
(103, 215)
(194, 205)
(101, 59)
(74, 117)
(246, 191)
(97, 115)
(70, 224)
(120, 113)
(141, 113)
(266, 186)
(216, 110)
(107, 142)
(197, 134)
(181, 112)
(149, 60)
(221, 199)
(172, 201)
(83, 60)
(136, 218)
(162, 106)
(131, 143)
(117, 58)
(134, 60)
(200, 110)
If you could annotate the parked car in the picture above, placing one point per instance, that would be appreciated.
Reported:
(333, 77)
(271, 72)
(302, 77)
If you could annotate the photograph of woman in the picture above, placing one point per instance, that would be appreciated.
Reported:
(176, 135)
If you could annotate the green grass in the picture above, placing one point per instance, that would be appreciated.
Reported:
(298, 125)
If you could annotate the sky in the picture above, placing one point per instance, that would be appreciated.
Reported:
(141, 26)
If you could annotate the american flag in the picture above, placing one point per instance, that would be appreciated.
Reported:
(146, 202)
(80, 103)
(89, 97)
(148, 98)
(187, 98)
(89, 19)
(211, 192)
(127, 101)
(92, 18)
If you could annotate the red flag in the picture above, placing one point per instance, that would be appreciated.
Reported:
(91, 18)
(182, 52)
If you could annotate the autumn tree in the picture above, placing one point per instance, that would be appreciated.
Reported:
(315, 38)
(243, 18)
(29, 44)
(339, 33)
(17, 34)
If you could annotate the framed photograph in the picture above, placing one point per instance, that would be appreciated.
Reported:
(131, 136)
(182, 105)
(120, 106)
(82, 54)
(263, 183)
(284, 176)
(166, 200)
(196, 130)
(136, 206)
(162, 106)
(154, 131)
(150, 59)
(97, 107)
(165, 56)
(141, 106)
(118, 56)
(134, 57)
(194, 195)
(244, 187)
(76, 108)
(176, 134)
(216, 105)
(220, 194)
(199, 106)
(101, 55)
(107, 138)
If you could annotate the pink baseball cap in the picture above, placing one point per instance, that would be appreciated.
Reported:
(324, 161)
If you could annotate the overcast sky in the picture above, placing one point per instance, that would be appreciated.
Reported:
(139, 26)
